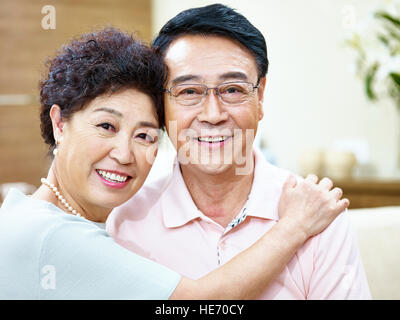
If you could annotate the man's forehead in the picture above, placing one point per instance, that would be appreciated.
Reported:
(198, 57)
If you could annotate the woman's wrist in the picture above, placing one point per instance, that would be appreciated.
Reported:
(291, 231)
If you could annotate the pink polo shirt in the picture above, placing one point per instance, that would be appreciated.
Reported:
(162, 223)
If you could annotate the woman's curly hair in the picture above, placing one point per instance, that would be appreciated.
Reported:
(96, 63)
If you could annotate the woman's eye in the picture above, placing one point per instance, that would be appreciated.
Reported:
(107, 126)
(146, 137)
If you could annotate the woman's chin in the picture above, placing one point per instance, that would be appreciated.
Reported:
(102, 195)
(111, 201)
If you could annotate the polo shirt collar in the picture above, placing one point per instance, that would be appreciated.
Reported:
(178, 206)
(266, 188)
(177, 203)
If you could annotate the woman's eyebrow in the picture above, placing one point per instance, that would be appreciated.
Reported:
(115, 112)
(147, 124)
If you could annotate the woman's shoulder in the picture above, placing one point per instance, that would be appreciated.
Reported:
(22, 214)
(28, 223)
(31, 232)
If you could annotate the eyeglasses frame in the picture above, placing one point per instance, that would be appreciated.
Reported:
(213, 88)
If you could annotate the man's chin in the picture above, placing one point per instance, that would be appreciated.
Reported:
(212, 169)
(217, 163)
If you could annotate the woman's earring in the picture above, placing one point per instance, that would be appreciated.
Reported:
(55, 150)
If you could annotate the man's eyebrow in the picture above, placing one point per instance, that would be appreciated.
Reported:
(234, 75)
(184, 78)
(115, 112)
(228, 75)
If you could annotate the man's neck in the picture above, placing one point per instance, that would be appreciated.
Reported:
(220, 196)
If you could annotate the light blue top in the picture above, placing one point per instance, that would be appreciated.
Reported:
(46, 253)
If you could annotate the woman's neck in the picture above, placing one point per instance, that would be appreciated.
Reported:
(48, 194)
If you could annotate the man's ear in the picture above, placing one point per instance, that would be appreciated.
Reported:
(261, 90)
(57, 122)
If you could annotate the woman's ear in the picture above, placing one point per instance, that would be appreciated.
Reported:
(57, 122)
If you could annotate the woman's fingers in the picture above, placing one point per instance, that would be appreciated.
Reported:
(290, 182)
(326, 184)
(337, 193)
(343, 204)
(312, 178)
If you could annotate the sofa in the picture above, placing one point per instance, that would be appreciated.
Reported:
(378, 234)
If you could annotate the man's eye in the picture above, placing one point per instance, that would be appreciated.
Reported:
(189, 92)
(232, 90)
(107, 126)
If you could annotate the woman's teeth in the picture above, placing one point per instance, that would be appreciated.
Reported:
(212, 139)
(112, 176)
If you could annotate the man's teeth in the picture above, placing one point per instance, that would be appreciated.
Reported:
(212, 139)
(112, 176)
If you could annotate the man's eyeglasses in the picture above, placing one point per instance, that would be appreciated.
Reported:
(234, 92)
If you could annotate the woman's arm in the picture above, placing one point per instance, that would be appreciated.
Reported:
(305, 209)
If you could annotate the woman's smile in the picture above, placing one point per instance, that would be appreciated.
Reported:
(113, 179)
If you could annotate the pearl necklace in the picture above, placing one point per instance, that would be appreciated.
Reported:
(53, 188)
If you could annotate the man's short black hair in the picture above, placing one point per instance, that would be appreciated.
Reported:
(215, 19)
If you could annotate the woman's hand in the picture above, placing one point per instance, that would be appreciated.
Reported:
(309, 207)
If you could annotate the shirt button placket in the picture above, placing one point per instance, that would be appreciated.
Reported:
(235, 222)
(220, 248)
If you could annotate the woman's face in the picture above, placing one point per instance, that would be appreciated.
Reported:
(105, 151)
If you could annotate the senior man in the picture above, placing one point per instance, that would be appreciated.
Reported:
(223, 195)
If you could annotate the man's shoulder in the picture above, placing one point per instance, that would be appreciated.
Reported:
(269, 178)
(265, 168)
(141, 203)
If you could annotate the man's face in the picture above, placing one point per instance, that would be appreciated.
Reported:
(212, 136)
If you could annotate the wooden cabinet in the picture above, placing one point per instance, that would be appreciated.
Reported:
(370, 193)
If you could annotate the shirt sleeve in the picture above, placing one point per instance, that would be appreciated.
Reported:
(338, 271)
(81, 261)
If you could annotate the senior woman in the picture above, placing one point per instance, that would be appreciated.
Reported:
(101, 108)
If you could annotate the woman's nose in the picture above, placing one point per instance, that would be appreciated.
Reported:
(122, 151)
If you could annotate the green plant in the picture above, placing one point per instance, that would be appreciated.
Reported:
(378, 55)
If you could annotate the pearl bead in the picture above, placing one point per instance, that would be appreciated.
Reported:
(53, 188)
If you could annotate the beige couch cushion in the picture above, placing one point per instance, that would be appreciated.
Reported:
(378, 235)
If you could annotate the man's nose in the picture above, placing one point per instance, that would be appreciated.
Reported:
(213, 110)
(122, 151)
